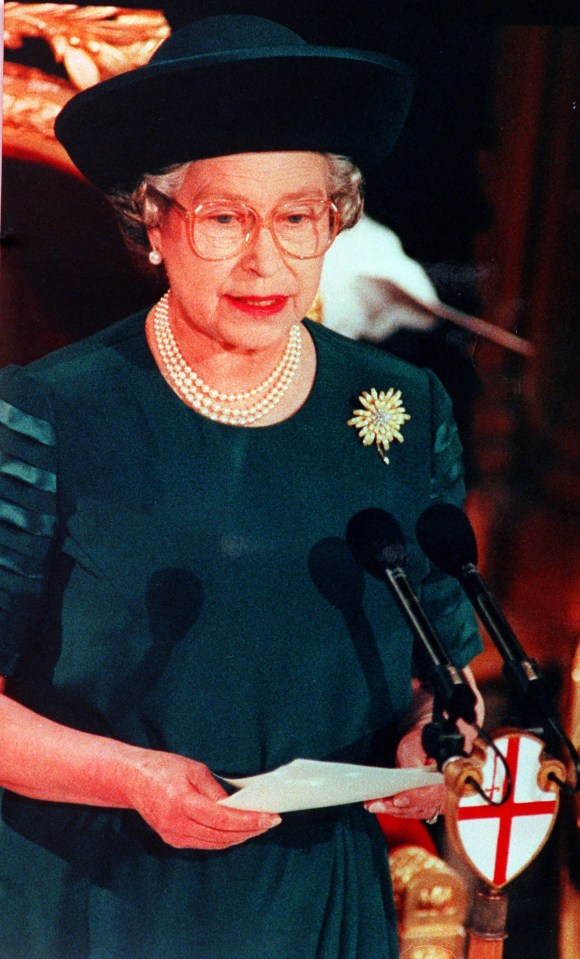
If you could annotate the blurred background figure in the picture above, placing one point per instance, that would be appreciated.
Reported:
(363, 277)
(372, 290)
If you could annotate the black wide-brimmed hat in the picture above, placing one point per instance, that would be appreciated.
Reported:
(235, 84)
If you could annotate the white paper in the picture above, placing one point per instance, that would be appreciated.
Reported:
(309, 784)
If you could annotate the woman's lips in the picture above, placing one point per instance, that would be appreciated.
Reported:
(259, 305)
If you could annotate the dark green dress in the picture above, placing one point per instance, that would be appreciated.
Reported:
(184, 585)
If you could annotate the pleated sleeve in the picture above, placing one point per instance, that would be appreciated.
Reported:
(28, 490)
(442, 596)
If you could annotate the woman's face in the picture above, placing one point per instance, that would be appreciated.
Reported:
(248, 301)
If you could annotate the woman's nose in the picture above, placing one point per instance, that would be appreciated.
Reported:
(262, 254)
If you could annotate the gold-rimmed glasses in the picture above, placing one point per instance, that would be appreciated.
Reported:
(219, 229)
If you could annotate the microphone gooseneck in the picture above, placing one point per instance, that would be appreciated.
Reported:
(446, 537)
(377, 543)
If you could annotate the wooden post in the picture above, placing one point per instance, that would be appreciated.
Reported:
(488, 922)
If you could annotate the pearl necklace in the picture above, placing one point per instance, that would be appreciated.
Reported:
(203, 398)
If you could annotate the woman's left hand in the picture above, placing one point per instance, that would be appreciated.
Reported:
(423, 803)
(428, 801)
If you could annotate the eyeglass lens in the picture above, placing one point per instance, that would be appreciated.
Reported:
(303, 229)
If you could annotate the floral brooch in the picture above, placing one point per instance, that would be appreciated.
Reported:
(381, 419)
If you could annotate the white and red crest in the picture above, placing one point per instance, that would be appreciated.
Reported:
(500, 841)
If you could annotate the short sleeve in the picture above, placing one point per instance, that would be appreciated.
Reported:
(27, 506)
(442, 596)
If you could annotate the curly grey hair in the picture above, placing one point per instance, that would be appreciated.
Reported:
(146, 206)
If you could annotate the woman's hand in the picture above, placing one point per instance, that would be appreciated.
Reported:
(423, 803)
(427, 801)
(178, 798)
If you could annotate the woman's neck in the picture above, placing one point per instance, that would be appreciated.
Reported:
(231, 369)
(227, 367)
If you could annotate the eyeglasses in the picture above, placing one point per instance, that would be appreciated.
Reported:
(303, 228)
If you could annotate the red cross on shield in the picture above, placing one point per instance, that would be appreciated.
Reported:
(500, 841)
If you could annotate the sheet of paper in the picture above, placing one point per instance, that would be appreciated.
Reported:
(309, 784)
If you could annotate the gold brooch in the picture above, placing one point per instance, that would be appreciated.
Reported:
(381, 419)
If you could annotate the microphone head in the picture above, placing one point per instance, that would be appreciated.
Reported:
(376, 541)
(446, 537)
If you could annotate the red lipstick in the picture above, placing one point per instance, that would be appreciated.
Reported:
(259, 306)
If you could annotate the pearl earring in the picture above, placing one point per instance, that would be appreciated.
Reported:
(155, 257)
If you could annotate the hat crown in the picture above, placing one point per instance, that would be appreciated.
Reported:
(213, 35)
(235, 84)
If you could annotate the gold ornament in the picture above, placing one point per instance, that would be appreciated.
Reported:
(94, 43)
(381, 419)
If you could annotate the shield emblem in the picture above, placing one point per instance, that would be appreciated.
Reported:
(500, 841)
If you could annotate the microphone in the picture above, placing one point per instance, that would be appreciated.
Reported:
(377, 543)
(446, 537)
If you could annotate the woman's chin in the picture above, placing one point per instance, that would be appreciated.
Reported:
(255, 333)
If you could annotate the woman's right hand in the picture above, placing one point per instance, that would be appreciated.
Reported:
(178, 797)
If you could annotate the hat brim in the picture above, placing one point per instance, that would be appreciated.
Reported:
(311, 98)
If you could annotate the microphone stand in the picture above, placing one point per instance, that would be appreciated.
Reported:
(441, 738)
(453, 697)
(447, 538)
(523, 674)
(484, 836)
(443, 742)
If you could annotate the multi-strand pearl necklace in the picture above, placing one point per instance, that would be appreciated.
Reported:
(210, 402)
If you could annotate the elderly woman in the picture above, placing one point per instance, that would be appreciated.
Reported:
(176, 596)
